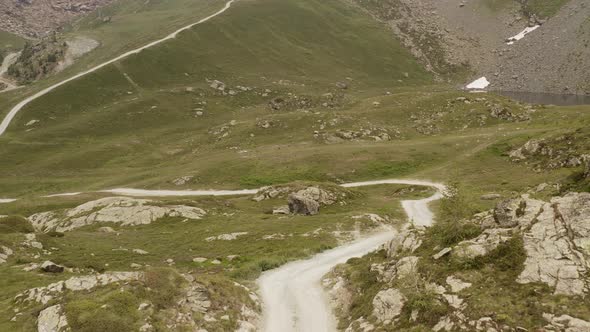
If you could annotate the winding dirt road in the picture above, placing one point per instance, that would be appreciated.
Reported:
(10, 116)
(292, 295)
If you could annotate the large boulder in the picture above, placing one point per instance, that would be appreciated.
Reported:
(51, 267)
(300, 204)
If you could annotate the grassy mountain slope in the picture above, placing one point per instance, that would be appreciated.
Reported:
(316, 91)
(122, 108)
(9, 42)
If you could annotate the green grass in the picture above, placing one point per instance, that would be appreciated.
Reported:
(133, 124)
(89, 250)
(15, 224)
(545, 8)
(9, 42)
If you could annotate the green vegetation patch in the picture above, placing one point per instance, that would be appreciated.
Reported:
(15, 224)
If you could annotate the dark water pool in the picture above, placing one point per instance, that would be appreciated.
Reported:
(546, 98)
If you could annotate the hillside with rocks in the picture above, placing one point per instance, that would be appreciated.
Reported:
(294, 165)
(472, 38)
(501, 272)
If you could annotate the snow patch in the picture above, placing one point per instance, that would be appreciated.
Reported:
(521, 34)
(478, 84)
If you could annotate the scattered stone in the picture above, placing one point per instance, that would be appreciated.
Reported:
(342, 85)
(442, 253)
(199, 260)
(457, 284)
(217, 85)
(106, 230)
(276, 236)
(281, 210)
(32, 122)
(140, 252)
(490, 197)
(226, 237)
(181, 181)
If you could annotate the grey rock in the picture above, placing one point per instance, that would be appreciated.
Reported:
(281, 210)
(442, 253)
(388, 304)
(52, 319)
(51, 267)
(301, 204)
(490, 197)
(122, 210)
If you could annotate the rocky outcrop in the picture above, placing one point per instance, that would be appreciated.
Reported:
(121, 210)
(555, 250)
(564, 151)
(409, 240)
(566, 323)
(555, 235)
(558, 245)
(45, 294)
(52, 319)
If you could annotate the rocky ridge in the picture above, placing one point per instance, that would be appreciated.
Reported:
(120, 210)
